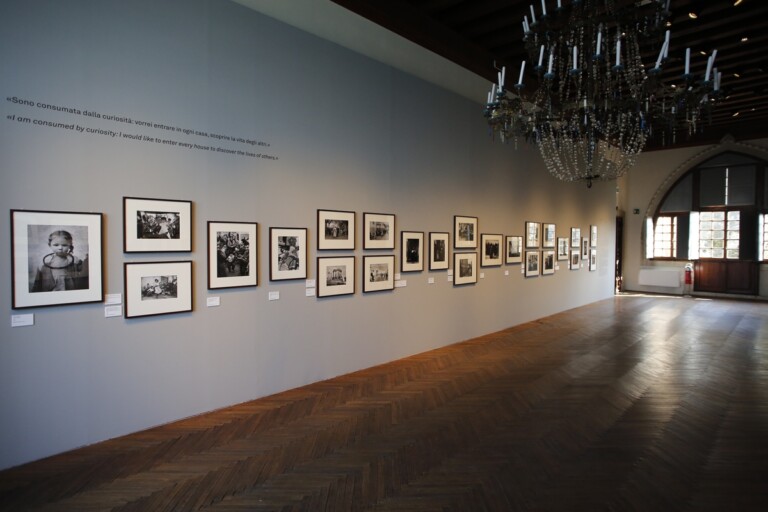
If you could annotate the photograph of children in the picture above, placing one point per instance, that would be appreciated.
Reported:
(152, 224)
(58, 258)
(159, 287)
(336, 275)
(288, 249)
(232, 254)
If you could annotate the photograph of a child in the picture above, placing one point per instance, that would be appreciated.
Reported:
(58, 258)
(232, 254)
(289, 259)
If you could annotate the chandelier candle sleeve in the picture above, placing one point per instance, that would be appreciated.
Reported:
(575, 57)
(599, 41)
(551, 60)
(618, 51)
(543, 8)
(522, 70)
(541, 56)
(687, 61)
(533, 16)
(710, 63)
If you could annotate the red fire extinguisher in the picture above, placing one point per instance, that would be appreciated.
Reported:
(689, 274)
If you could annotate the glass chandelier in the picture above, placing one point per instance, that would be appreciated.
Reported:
(597, 103)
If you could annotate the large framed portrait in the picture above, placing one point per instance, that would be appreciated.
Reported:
(562, 248)
(335, 275)
(335, 230)
(464, 268)
(592, 259)
(532, 235)
(287, 254)
(57, 258)
(157, 288)
(514, 249)
(378, 273)
(576, 238)
(412, 249)
(156, 225)
(464, 232)
(547, 262)
(378, 231)
(532, 263)
(490, 250)
(438, 250)
(593, 236)
(232, 254)
(548, 233)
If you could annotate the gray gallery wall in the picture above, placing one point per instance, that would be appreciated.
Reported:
(348, 133)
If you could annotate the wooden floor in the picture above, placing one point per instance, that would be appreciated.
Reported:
(633, 403)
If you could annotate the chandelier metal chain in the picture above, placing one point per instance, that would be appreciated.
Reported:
(597, 103)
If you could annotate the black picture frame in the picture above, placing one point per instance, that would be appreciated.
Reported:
(156, 225)
(288, 254)
(465, 232)
(233, 254)
(439, 249)
(532, 235)
(491, 247)
(335, 230)
(378, 273)
(154, 288)
(379, 231)
(513, 249)
(335, 276)
(464, 268)
(411, 251)
(57, 258)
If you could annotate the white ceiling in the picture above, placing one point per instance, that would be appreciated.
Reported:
(332, 22)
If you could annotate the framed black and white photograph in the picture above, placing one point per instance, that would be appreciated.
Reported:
(576, 238)
(57, 258)
(335, 275)
(157, 288)
(378, 273)
(335, 230)
(287, 254)
(562, 249)
(438, 251)
(593, 259)
(232, 254)
(464, 232)
(584, 249)
(464, 268)
(412, 251)
(156, 225)
(532, 263)
(548, 233)
(514, 249)
(575, 259)
(490, 250)
(593, 236)
(532, 235)
(378, 231)
(547, 262)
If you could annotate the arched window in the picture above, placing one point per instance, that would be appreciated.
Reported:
(714, 211)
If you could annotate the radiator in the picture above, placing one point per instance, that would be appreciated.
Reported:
(667, 277)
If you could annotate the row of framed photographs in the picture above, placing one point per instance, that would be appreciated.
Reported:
(543, 262)
(534, 231)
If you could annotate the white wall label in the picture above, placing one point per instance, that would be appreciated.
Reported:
(310, 292)
(401, 284)
(112, 311)
(274, 295)
(113, 298)
(22, 320)
(212, 302)
(397, 277)
(431, 280)
(310, 283)
(482, 275)
(506, 272)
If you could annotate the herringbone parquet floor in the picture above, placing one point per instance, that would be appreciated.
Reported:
(633, 403)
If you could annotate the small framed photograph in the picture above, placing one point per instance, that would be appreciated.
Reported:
(592, 259)
(157, 288)
(548, 262)
(232, 254)
(378, 231)
(335, 230)
(378, 273)
(562, 249)
(464, 232)
(464, 268)
(412, 249)
(490, 250)
(532, 263)
(57, 258)
(335, 275)
(575, 259)
(593, 236)
(287, 254)
(438, 251)
(156, 225)
(548, 230)
(532, 235)
(576, 238)
(584, 249)
(514, 249)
